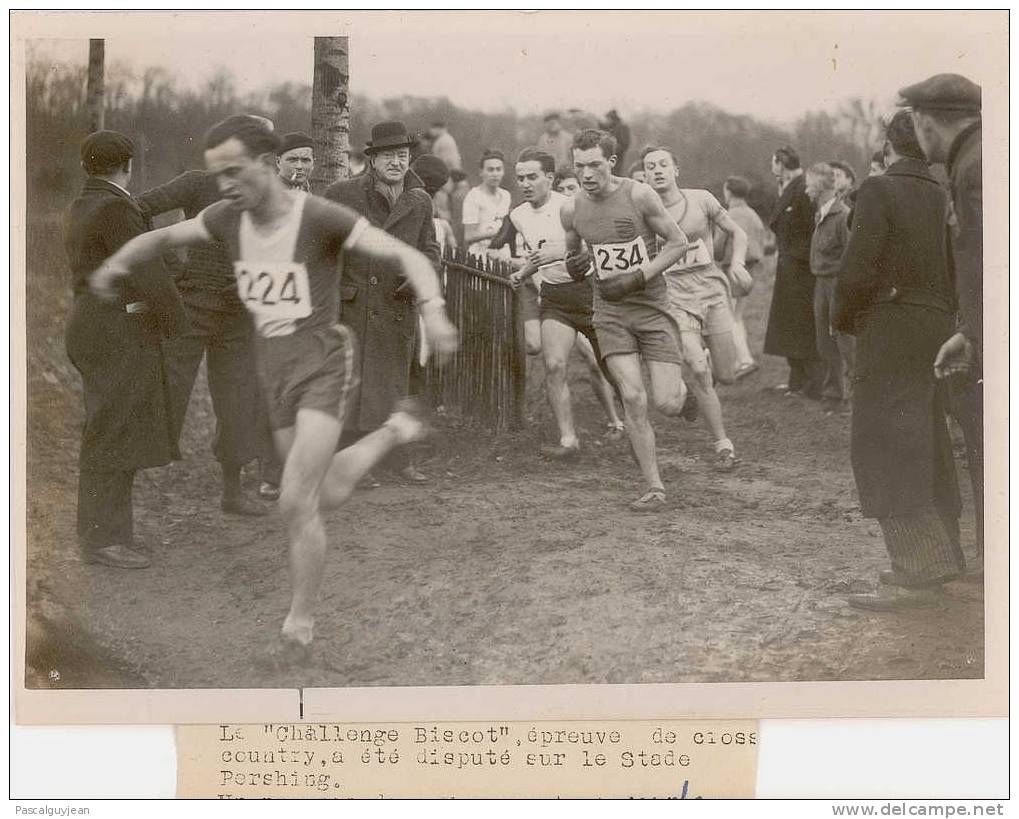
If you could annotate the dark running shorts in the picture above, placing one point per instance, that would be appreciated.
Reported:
(310, 369)
(529, 300)
(569, 303)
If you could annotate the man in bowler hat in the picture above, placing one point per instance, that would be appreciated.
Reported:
(376, 303)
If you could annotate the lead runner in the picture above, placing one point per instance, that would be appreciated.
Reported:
(285, 246)
(620, 220)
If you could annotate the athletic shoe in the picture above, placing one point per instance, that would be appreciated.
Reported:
(561, 453)
(651, 501)
(283, 653)
(118, 556)
(268, 491)
(691, 408)
(743, 370)
(725, 461)
(413, 475)
(240, 505)
(615, 433)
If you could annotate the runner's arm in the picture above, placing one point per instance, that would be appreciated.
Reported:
(376, 244)
(737, 235)
(145, 248)
(657, 218)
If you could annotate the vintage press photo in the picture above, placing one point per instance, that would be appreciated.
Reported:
(702, 479)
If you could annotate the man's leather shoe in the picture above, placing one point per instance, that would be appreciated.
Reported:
(240, 505)
(118, 556)
(898, 600)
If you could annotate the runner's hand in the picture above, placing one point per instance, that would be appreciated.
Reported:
(578, 264)
(622, 285)
(955, 356)
(516, 279)
(440, 333)
(546, 254)
(103, 281)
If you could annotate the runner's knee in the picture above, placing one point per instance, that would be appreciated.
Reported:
(670, 404)
(555, 369)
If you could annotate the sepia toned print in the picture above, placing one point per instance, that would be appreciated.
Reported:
(761, 464)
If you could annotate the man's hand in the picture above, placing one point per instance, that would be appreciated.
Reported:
(442, 336)
(546, 254)
(516, 279)
(622, 285)
(103, 280)
(955, 356)
(578, 264)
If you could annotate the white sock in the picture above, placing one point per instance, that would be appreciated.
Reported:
(723, 444)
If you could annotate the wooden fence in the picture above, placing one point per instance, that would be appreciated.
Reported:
(484, 382)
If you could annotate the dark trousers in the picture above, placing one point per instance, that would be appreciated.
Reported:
(836, 353)
(224, 336)
(805, 376)
(104, 508)
(967, 405)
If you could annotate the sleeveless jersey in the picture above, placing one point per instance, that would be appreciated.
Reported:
(619, 240)
(538, 226)
(287, 279)
(697, 213)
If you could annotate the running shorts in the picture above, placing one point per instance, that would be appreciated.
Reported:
(314, 369)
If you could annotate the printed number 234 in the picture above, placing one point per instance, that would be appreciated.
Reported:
(625, 258)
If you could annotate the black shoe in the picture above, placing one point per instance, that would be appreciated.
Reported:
(899, 600)
(269, 491)
(691, 408)
(561, 453)
(240, 505)
(118, 556)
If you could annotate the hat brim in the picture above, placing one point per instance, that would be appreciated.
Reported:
(387, 145)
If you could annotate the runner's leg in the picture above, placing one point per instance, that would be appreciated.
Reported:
(602, 389)
(556, 342)
(667, 387)
(626, 372)
(311, 443)
(702, 383)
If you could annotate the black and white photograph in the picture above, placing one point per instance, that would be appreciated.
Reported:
(510, 349)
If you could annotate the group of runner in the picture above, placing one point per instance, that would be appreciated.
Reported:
(627, 266)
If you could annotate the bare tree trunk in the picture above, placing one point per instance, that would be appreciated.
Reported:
(94, 101)
(330, 112)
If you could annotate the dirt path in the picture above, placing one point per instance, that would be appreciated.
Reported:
(505, 569)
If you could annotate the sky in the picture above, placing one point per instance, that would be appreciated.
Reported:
(774, 66)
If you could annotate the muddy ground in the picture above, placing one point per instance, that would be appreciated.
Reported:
(504, 569)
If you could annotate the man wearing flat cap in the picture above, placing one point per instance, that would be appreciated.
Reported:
(117, 348)
(895, 294)
(295, 160)
(946, 114)
(375, 301)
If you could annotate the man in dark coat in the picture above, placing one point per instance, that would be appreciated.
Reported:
(791, 319)
(117, 348)
(895, 294)
(946, 113)
(376, 303)
(220, 329)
